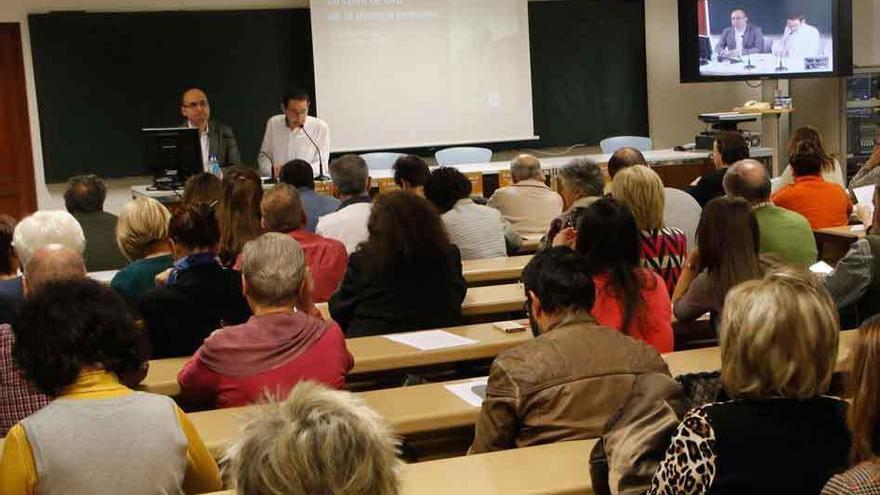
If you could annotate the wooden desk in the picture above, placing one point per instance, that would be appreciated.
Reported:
(495, 269)
(834, 242)
(557, 469)
(530, 243)
(373, 354)
(489, 300)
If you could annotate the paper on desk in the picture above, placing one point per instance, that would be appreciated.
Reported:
(821, 267)
(864, 195)
(472, 391)
(857, 228)
(431, 339)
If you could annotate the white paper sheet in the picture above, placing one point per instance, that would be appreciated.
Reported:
(429, 340)
(864, 195)
(857, 228)
(105, 276)
(471, 391)
(821, 267)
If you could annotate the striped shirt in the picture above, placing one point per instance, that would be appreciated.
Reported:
(863, 479)
(664, 252)
(477, 230)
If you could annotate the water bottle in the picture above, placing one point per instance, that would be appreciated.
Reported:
(214, 166)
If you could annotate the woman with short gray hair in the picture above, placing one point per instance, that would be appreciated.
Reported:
(581, 183)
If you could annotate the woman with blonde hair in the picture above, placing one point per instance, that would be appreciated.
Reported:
(142, 236)
(663, 249)
(807, 141)
(317, 441)
(779, 434)
(864, 412)
(239, 211)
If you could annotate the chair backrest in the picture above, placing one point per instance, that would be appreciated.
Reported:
(612, 144)
(682, 212)
(462, 155)
(380, 161)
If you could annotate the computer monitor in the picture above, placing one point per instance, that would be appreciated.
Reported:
(173, 154)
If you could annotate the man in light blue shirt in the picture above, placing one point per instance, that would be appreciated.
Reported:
(298, 173)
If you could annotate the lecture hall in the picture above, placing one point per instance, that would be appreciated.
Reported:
(439, 247)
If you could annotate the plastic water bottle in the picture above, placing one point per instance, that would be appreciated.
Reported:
(214, 166)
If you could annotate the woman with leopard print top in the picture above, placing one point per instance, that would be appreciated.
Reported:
(779, 434)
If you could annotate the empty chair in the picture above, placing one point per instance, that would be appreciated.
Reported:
(612, 144)
(381, 160)
(681, 211)
(462, 155)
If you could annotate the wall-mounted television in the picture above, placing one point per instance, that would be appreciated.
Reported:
(722, 40)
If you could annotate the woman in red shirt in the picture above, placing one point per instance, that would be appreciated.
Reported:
(283, 343)
(629, 298)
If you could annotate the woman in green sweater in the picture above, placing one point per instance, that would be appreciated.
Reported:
(142, 235)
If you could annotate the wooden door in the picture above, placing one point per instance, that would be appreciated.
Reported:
(17, 192)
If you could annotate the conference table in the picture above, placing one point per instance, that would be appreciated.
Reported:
(560, 468)
(375, 354)
(432, 407)
(762, 64)
(677, 169)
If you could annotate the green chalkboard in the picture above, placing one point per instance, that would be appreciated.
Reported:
(101, 77)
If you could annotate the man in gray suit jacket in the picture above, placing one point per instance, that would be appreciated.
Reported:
(216, 139)
(741, 38)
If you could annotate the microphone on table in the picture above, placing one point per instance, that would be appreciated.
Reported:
(321, 175)
(266, 154)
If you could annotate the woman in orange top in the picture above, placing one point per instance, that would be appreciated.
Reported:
(823, 204)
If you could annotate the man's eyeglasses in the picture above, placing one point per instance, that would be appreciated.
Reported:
(196, 104)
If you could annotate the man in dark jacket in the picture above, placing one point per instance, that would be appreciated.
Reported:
(740, 38)
(84, 199)
(217, 139)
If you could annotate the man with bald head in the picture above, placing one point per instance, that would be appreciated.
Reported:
(528, 204)
(19, 400)
(624, 157)
(785, 234)
(217, 140)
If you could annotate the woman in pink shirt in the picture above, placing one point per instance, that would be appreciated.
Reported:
(283, 343)
(629, 298)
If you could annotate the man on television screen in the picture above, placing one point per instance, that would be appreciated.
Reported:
(800, 39)
(741, 38)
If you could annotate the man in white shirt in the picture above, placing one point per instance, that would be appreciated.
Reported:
(800, 40)
(294, 135)
(348, 224)
(217, 139)
(529, 205)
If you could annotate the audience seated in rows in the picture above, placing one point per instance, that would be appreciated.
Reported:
(528, 204)
(348, 224)
(326, 258)
(779, 434)
(142, 235)
(239, 211)
(18, 399)
(203, 187)
(477, 230)
(784, 234)
(623, 158)
(299, 174)
(581, 183)
(30, 234)
(84, 199)
(198, 295)
(807, 141)
(855, 281)
(662, 249)
(869, 172)
(728, 255)
(407, 276)
(863, 384)
(629, 298)
(823, 204)
(729, 148)
(411, 173)
(317, 441)
(72, 340)
(576, 379)
(11, 290)
(284, 342)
